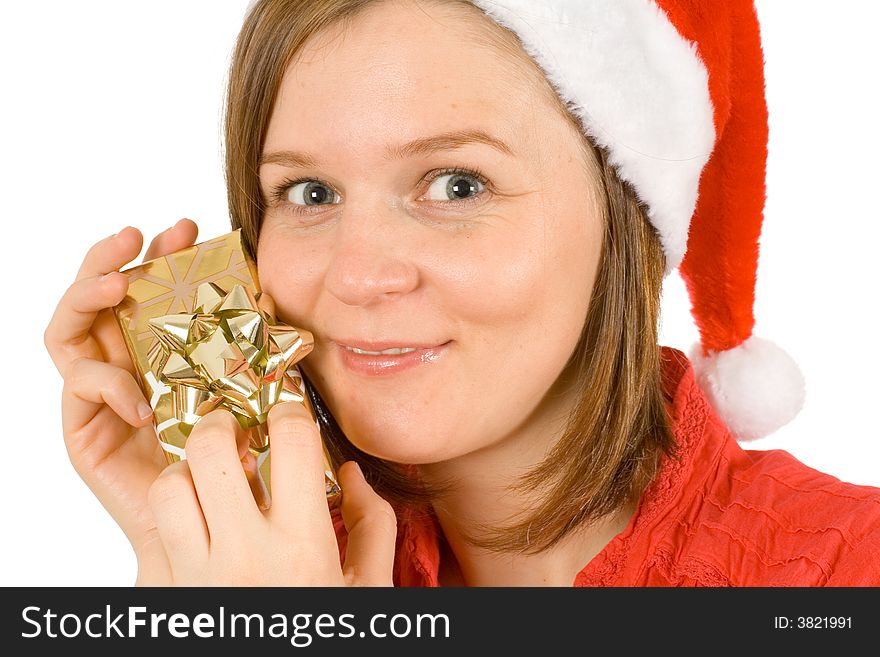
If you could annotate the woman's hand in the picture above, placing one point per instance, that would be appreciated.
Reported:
(105, 418)
(213, 532)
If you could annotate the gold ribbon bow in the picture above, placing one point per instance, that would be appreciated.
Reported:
(229, 352)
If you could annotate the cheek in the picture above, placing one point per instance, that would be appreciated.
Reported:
(486, 278)
(525, 282)
(535, 294)
(291, 273)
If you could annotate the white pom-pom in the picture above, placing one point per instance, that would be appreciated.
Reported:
(755, 388)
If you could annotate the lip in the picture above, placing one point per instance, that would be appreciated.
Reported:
(386, 344)
(385, 365)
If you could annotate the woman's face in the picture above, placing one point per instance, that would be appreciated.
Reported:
(388, 239)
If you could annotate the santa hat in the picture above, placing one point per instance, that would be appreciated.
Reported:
(673, 90)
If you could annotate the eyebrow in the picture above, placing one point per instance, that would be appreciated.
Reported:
(424, 146)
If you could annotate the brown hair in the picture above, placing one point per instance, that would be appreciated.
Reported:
(620, 428)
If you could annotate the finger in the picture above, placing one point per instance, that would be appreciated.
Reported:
(251, 464)
(89, 384)
(179, 236)
(179, 520)
(66, 335)
(372, 531)
(111, 253)
(299, 495)
(215, 463)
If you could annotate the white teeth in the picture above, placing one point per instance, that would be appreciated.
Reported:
(387, 352)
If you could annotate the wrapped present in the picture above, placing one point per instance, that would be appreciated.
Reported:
(202, 335)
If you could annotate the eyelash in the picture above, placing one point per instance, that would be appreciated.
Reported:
(278, 194)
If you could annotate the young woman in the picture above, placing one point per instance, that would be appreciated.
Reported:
(472, 207)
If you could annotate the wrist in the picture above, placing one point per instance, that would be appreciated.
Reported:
(152, 563)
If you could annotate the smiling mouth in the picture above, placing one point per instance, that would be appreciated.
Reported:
(387, 352)
(386, 347)
(381, 359)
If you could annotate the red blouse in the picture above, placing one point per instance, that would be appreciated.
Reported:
(719, 516)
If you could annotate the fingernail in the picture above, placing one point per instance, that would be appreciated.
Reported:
(360, 472)
(144, 410)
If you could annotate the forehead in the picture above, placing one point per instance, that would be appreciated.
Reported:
(401, 67)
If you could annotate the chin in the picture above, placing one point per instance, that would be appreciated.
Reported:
(392, 443)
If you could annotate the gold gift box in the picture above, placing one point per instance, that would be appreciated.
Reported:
(164, 294)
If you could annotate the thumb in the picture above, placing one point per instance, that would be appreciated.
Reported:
(372, 531)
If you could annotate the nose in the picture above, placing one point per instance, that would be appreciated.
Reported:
(372, 259)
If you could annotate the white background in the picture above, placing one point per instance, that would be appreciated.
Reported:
(110, 116)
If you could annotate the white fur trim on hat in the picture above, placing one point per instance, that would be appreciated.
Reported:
(639, 88)
(755, 388)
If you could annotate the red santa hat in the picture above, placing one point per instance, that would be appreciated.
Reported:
(673, 90)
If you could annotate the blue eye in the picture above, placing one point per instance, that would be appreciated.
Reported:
(454, 186)
(459, 186)
(310, 192)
